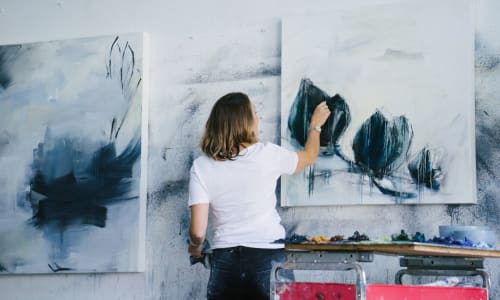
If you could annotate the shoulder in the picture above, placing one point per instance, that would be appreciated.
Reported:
(272, 147)
(201, 162)
(262, 147)
(274, 151)
(201, 159)
(269, 145)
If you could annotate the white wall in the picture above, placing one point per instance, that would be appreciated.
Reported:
(199, 50)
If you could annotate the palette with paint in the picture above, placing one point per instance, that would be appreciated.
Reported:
(399, 238)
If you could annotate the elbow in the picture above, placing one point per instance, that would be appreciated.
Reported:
(196, 241)
(197, 236)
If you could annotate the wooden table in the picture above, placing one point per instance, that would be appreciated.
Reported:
(399, 249)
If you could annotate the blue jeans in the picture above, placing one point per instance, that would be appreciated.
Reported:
(241, 273)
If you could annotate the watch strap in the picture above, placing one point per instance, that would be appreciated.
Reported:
(317, 128)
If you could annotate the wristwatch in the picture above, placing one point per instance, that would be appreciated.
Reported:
(317, 128)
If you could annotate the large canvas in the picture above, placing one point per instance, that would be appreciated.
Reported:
(399, 80)
(73, 155)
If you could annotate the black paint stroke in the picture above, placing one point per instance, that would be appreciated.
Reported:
(69, 200)
(425, 169)
(256, 73)
(7, 53)
(127, 80)
(109, 73)
(453, 210)
(57, 268)
(380, 146)
(306, 100)
(313, 174)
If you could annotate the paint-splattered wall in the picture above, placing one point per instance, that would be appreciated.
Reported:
(199, 51)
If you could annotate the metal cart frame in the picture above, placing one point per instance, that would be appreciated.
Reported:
(324, 261)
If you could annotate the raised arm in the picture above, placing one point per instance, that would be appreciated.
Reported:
(310, 153)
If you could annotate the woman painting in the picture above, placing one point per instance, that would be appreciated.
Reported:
(235, 180)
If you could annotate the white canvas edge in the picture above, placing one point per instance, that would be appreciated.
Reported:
(284, 179)
(472, 117)
(143, 193)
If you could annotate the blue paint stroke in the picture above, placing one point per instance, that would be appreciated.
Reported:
(306, 100)
(380, 147)
(425, 169)
(79, 197)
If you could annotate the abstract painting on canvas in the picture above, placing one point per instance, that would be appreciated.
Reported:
(72, 155)
(399, 81)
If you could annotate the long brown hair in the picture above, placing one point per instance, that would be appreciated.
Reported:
(229, 125)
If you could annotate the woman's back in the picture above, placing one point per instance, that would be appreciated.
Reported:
(241, 193)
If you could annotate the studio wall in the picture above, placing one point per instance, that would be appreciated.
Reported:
(200, 50)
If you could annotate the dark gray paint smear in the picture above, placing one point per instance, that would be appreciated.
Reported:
(212, 77)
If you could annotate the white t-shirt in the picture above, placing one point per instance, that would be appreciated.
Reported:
(241, 194)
